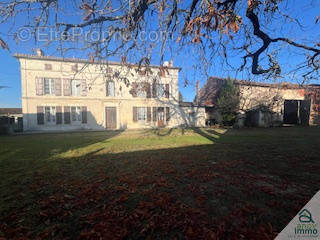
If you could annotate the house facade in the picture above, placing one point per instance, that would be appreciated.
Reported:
(70, 94)
(286, 102)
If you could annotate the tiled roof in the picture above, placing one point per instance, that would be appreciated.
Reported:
(10, 111)
(209, 92)
(80, 60)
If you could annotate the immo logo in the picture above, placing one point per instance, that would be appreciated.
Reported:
(305, 225)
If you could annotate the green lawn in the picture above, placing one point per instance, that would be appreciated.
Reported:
(151, 184)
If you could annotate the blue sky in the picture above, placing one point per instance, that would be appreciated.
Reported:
(186, 58)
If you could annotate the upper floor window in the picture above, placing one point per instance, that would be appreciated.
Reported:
(50, 114)
(75, 87)
(49, 86)
(110, 89)
(141, 90)
(76, 114)
(161, 90)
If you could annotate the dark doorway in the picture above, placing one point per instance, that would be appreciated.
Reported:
(111, 117)
(296, 112)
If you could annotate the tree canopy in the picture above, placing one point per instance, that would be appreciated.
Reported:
(256, 34)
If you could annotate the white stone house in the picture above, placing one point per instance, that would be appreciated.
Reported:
(70, 94)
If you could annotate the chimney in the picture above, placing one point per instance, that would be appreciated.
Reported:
(39, 52)
(171, 63)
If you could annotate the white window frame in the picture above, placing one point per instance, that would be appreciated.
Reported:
(108, 89)
(51, 86)
(75, 87)
(142, 114)
(162, 87)
(76, 114)
(50, 114)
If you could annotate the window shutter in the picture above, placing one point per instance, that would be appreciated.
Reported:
(66, 87)
(57, 86)
(154, 113)
(133, 90)
(39, 86)
(84, 114)
(59, 115)
(134, 112)
(149, 114)
(167, 114)
(67, 119)
(154, 89)
(83, 87)
(148, 89)
(167, 90)
(40, 115)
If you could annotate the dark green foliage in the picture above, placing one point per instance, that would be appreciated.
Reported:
(228, 102)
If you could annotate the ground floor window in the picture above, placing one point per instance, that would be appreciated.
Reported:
(141, 113)
(50, 114)
(76, 114)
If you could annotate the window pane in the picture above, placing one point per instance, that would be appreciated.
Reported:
(53, 114)
(160, 90)
(47, 113)
(110, 86)
(73, 113)
(142, 113)
(46, 86)
(78, 113)
(75, 87)
(51, 86)
(141, 91)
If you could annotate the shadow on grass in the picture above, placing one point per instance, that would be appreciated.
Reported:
(221, 190)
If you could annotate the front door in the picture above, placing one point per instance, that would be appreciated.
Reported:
(160, 117)
(111, 117)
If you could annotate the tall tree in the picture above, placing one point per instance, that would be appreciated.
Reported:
(255, 31)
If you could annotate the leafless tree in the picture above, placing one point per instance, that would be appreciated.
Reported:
(251, 31)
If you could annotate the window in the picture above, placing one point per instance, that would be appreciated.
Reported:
(47, 67)
(141, 91)
(48, 86)
(141, 113)
(50, 114)
(161, 90)
(76, 114)
(110, 88)
(75, 87)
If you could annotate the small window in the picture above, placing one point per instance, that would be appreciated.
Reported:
(48, 86)
(76, 114)
(75, 87)
(161, 92)
(50, 114)
(74, 67)
(141, 113)
(110, 89)
(48, 67)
